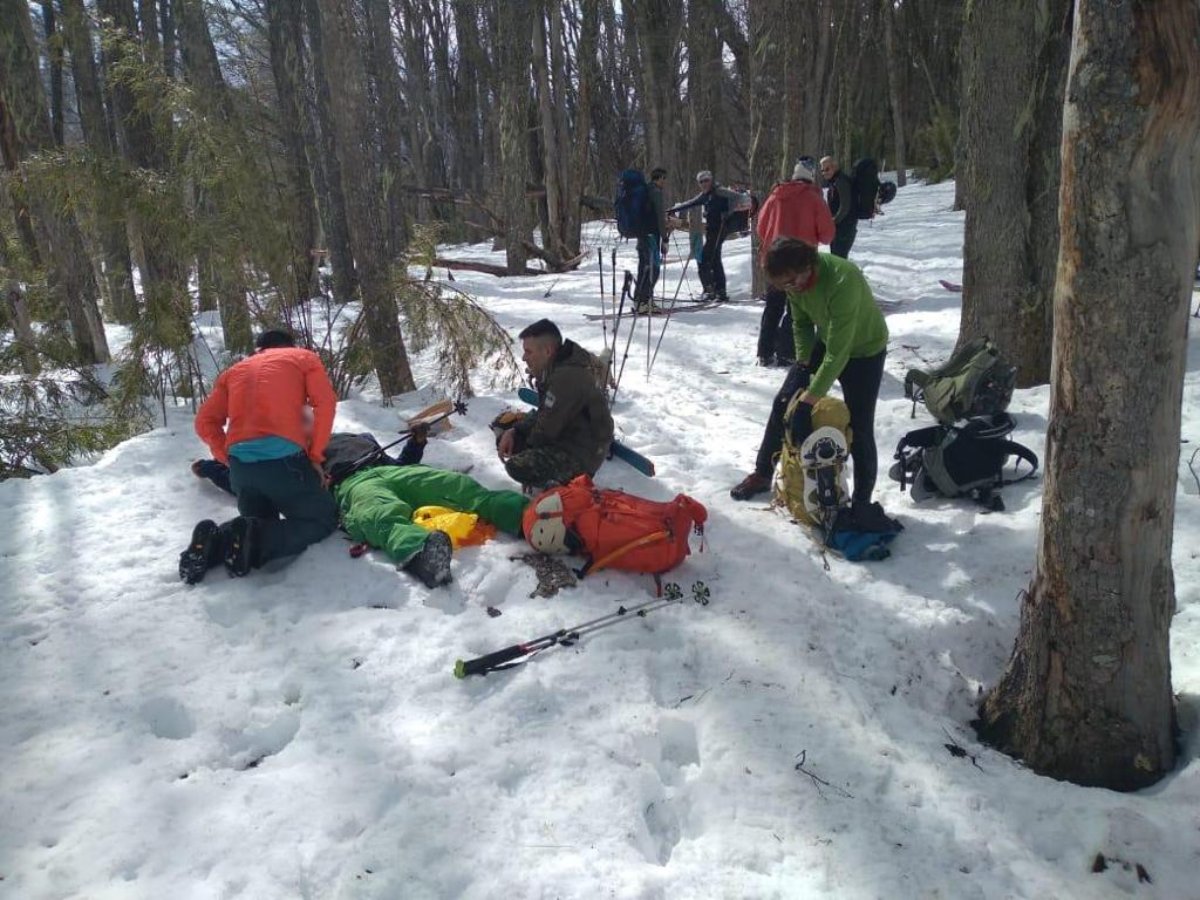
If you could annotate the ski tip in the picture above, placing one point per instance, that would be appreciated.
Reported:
(460, 669)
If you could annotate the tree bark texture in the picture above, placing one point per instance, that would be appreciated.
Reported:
(286, 43)
(1087, 693)
(895, 89)
(1015, 85)
(514, 32)
(323, 147)
(364, 207)
(54, 55)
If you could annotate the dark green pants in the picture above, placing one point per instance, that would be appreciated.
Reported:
(541, 467)
(289, 488)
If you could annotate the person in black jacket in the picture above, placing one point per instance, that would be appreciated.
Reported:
(718, 203)
(841, 206)
(652, 246)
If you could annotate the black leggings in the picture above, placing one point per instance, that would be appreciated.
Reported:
(712, 271)
(775, 329)
(860, 381)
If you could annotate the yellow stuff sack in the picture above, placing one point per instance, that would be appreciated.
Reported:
(465, 529)
(795, 482)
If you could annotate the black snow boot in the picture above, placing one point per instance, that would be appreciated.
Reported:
(205, 551)
(432, 564)
(241, 545)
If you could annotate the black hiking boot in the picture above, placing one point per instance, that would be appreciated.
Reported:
(870, 517)
(751, 486)
(432, 564)
(205, 551)
(722, 297)
(241, 545)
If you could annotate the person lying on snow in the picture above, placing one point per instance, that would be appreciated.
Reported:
(377, 497)
(570, 432)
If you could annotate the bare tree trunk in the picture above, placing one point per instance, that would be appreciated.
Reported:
(224, 270)
(768, 137)
(888, 14)
(27, 130)
(706, 74)
(164, 281)
(22, 325)
(285, 39)
(110, 214)
(389, 120)
(1015, 86)
(324, 151)
(166, 20)
(589, 78)
(364, 213)
(54, 54)
(515, 29)
(1087, 693)
(552, 153)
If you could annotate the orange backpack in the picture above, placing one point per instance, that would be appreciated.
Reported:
(614, 530)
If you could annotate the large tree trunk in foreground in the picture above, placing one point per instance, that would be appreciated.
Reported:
(1087, 694)
(364, 205)
(512, 52)
(1014, 84)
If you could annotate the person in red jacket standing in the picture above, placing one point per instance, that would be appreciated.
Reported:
(794, 209)
(254, 421)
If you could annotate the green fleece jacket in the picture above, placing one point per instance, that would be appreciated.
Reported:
(840, 312)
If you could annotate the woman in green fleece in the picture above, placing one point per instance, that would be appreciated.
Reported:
(840, 336)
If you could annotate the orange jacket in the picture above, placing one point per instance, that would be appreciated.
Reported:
(794, 209)
(264, 395)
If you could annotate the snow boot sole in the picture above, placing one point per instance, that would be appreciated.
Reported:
(241, 551)
(202, 553)
(432, 564)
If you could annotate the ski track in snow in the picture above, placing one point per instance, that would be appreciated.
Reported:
(299, 733)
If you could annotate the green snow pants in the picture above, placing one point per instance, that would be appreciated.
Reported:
(377, 505)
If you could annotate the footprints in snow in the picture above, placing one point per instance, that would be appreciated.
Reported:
(267, 733)
(674, 757)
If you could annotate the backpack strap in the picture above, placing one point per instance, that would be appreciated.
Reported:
(1023, 453)
(595, 565)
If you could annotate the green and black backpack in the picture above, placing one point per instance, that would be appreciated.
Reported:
(976, 381)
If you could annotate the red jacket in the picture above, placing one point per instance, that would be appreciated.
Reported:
(794, 209)
(264, 395)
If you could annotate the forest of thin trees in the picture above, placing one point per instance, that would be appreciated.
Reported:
(165, 158)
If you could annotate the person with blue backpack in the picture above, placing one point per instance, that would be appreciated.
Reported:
(718, 203)
(641, 215)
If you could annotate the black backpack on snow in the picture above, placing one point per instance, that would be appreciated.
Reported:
(964, 460)
(887, 192)
(346, 454)
(864, 178)
(975, 381)
(635, 215)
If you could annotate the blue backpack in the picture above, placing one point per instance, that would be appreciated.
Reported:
(632, 205)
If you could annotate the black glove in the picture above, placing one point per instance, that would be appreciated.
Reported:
(420, 435)
(801, 424)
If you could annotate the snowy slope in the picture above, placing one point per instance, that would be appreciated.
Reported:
(299, 733)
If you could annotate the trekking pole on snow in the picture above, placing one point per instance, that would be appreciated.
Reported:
(603, 308)
(628, 340)
(670, 309)
(502, 659)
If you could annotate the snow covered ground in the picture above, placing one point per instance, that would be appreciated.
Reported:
(300, 734)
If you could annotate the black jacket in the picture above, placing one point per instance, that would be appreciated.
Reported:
(841, 200)
(717, 203)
